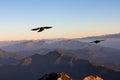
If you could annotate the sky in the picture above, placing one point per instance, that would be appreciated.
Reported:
(69, 18)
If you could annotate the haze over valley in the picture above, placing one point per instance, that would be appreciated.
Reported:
(38, 57)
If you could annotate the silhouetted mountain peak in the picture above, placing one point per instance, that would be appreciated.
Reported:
(62, 56)
(53, 57)
(62, 53)
(36, 55)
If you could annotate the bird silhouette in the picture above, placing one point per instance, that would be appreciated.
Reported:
(40, 29)
(96, 41)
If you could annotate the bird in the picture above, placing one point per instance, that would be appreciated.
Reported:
(40, 29)
(96, 41)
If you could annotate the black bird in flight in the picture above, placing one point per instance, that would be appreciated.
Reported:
(96, 41)
(40, 29)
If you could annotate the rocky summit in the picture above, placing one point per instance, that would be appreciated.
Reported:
(92, 78)
(55, 76)
(64, 76)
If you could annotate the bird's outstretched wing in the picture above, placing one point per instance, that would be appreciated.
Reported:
(35, 29)
(47, 27)
(41, 29)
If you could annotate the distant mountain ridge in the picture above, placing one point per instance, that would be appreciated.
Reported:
(86, 50)
(43, 44)
(4, 54)
(9, 58)
(51, 57)
(79, 59)
(94, 53)
(55, 61)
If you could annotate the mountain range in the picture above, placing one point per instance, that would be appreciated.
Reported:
(9, 58)
(35, 66)
(30, 59)
(97, 54)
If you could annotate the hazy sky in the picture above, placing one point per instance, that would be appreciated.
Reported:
(69, 18)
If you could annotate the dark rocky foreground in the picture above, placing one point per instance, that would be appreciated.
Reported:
(64, 76)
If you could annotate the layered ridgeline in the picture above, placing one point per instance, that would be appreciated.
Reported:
(35, 66)
(7, 58)
(98, 55)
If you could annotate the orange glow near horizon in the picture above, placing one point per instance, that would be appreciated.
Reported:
(39, 36)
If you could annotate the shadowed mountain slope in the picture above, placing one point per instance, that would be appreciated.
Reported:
(9, 58)
(31, 68)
